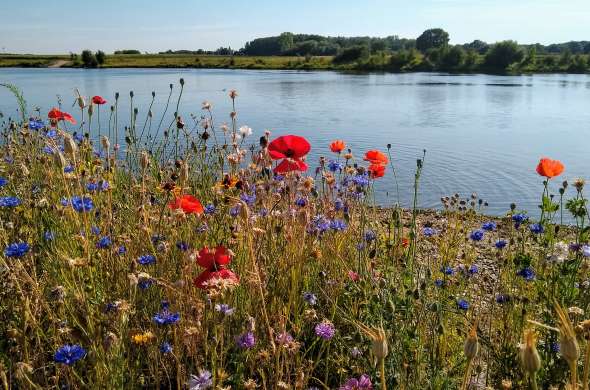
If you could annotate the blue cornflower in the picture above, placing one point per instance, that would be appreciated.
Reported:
(95, 230)
(555, 347)
(49, 236)
(263, 212)
(501, 298)
(301, 202)
(428, 231)
(462, 304)
(9, 201)
(68, 169)
(36, 124)
(48, 150)
(69, 354)
(235, 211)
(279, 178)
(338, 204)
(447, 270)
(519, 219)
(91, 187)
(203, 228)
(477, 235)
(501, 244)
(439, 282)
(156, 238)
(78, 137)
(246, 340)
(334, 166)
(209, 209)
(165, 347)
(489, 226)
(224, 309)
(183, 246)
(165, 317)
(3, 182)
(248, 199)
(536, 228)
(473, 269)
(104, 242)
(145, 283)
(82, 204)
(310, 298)
(361, 180)
(51, 133)
(18, 249)
(146, 259)
(338, 225)
(370, 235)
(201, 382)
(122, 250)
(319, 224)
(527, 273)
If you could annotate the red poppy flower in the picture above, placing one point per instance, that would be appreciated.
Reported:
(57, 115)
(405, 242)
(354, 276)
(215, 264)
(292, 149)
(550, 168)
(337, 146)
(98, 100)
(188, 203)
(376, 157)
(376, 170)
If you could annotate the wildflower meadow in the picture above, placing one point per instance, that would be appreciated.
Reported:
(196, 254)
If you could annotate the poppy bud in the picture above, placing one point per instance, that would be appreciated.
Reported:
(529, 356)
(70, 147)
(105, 142)
(512, 206)
(145, 160)
(81, 102)
(205, 136)
(471, 346)
(112, 108)
(150, 113)
(181, 81)
(116, 95)
(153, 94)
(131, 94)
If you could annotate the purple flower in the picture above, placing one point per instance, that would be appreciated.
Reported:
(527, 273)
(145, 283)
(49, 236)
(122, 250)
(224, 309)
(36, 124)
(501, 244)
(82, 204)
(200, 382)
(370, 236)
(146, 259)
(104, 242)
(246, 340)
(428, 231)
(447, 270)
(536, 228)
(502, 298)
(462, 304)
(165, 347)
(362, 383)
(338, 225)
(325, 330)
(519, 219)
(477, 235)
(334, 166)
(248, 199)
(586, 250)
(209, 209)
(18, 249)
(310, 298)
(338, 204)
(489, 226)
(301, 202)
(473, 269)
(234, 211)
(3, 182)
(284, 338)
(439, 283)
(165, 317)
(183, 246)
(69, 354)
(9, 201)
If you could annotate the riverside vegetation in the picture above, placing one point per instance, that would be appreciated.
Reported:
(431, 51)
(193, 257)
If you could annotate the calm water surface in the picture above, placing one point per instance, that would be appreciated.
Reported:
(482, 133)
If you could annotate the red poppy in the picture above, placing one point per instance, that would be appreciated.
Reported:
(292, 149)
(337, 146)
(57, 115)
(405, 242)
(215, 264)
(376, 157)
(188, 203)
(98, 100)
(550, 168)
(376, 170)
(354, 276)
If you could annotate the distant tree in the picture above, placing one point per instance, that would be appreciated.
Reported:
(127, 51)
(587, 48)
(531, 57)
(100, 57)
(432, 38)
(479, 46)
(471, 59)
(351, 54)
(452, 58)
(89, 59)
(579, 64)
(549, 62)
(566, 58)
(286, 41)
(403, 60)
(503, 54)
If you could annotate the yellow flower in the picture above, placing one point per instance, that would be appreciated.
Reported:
(141, 339)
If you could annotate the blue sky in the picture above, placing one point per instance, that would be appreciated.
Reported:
(60, 26)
